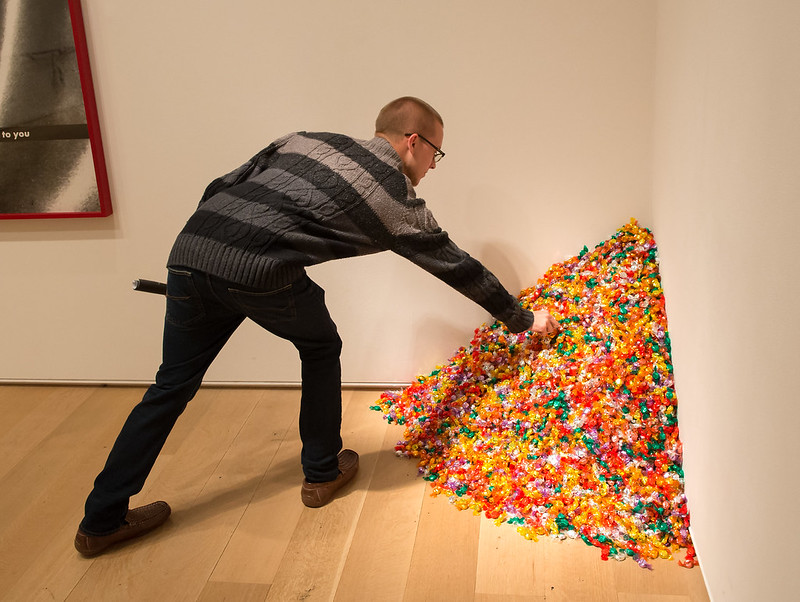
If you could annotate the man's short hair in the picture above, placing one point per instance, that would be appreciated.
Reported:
(407, 115)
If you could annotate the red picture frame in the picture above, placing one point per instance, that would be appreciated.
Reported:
(52, 163)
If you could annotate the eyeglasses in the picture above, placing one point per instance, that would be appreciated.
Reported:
(438, 155)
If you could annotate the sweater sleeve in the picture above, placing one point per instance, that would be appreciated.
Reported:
(419, 239)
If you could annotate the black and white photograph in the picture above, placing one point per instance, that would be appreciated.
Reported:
(47, 160)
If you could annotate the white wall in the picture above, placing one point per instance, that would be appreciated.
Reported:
(726, 192)
(548, 112)
(553, 140)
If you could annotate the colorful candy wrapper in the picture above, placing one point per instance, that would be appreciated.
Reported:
(574, 436)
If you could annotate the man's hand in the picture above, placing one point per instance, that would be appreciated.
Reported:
(544, 323)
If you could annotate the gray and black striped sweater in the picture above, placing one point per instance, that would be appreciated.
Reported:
(312, 197)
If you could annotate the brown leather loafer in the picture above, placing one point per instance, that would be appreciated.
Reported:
(315, 495)
(138, 521)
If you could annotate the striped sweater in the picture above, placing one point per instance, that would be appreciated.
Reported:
(312, 197)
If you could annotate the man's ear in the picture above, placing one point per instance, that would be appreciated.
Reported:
(411, 143)
(404, 145)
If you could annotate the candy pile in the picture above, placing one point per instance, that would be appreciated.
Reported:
(571, 437)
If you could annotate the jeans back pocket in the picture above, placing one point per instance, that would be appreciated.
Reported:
(272, 306)
(184, 305)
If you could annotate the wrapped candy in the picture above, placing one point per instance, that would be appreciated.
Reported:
(574, 436)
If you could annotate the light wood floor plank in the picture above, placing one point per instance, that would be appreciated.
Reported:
(315, 556)
(507, 562)
(231, 472)
(379, 558)
(575, 573)
(53, 570)
(43, 494)
(220, 591)
(18, 401)
(625, 597)
(445, 557)
(189, 543)
(256, 548)
(33, 422)
(668, 579)
(506, 598)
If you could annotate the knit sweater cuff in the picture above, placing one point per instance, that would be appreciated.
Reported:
(518, 321)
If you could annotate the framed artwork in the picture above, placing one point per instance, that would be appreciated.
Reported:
(51, 154)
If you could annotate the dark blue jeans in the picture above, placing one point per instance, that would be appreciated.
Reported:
(202, 313)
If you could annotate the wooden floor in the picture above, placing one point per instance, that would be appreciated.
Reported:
(239, 532)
